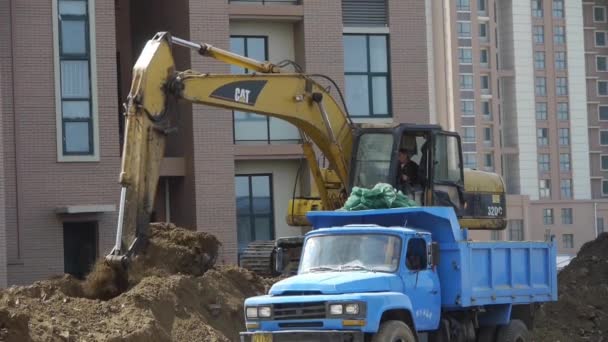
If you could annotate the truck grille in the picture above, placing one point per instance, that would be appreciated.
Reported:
(299, 310)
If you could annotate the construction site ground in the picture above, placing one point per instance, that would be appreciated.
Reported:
(176, 292)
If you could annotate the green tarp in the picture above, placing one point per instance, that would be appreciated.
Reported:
(381, 196)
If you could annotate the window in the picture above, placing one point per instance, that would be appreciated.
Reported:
(600, 225)
(558, 8)
(467, 107)
(495, 235)
(250, 128)
(484, 57)
(539, 34)
(465, 55)
(601, 63)
(254, 208)
(566, 189)
(544, 162)
(603, 137)
(470, 160)
(486, 109)
(483, 32)
(366, 75)
(604, 162)
(561, 86)
(563, 111)
(602, 112)
(602, 88)
(466, 82)
(516, 230)
(537, 8)
(416, 257)
(564, 136)
(539, 60)
(604, 187)
(548, 216)
(485, 84)
(544, 186)
(463, 5)
(481, 6)
(541, 86)
(468, 134)
(564, 162)
(541, 110)
(464, 29)
(559, 35)
(542, 136)
(80, 240)
(373, 159)
(560, 60)
(600, 38)
(488, 161)
(568, 240)
(487, 136)
(76, 84)
(599, 14)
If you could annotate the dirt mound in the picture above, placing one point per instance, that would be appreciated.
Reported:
(181, 297)
(581, 312)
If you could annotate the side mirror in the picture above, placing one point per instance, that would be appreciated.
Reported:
(278, 260)
(434, 254)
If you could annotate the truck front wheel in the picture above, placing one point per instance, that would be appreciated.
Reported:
(515, 331)
(394, 331)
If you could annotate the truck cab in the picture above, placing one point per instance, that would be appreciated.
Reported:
(394, 274)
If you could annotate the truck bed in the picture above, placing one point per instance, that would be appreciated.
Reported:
(483, 273)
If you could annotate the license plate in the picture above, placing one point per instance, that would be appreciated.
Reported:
(262, 338)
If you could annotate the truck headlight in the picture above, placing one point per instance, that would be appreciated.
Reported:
(264, 311)
(351, 309)
(252, 312)
(335, 309)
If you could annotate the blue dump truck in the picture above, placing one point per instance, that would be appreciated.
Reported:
(406, 274)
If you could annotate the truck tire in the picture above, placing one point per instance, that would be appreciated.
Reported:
(515, 331)
(394, 331)
(486, 334)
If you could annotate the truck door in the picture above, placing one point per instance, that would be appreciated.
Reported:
(447, 178)
(422, 284)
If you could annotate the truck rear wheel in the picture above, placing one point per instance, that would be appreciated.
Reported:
(515, 331)
(394, 331)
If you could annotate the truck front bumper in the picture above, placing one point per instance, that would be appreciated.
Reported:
(303, 336)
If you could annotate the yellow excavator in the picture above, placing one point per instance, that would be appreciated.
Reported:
(357, 155)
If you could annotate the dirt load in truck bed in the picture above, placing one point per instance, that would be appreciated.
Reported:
(581, 312)
(175, 293)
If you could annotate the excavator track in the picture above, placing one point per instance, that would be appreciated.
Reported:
(258, 258)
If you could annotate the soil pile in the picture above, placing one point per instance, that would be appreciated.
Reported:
(581, 312)
(175, 293)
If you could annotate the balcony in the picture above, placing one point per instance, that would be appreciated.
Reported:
(290, 10)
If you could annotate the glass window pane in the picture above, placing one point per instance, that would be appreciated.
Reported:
(237, 45)
(76, 109)
(283, 130)
(256, 48)
(243, 231)
(355, 54)
(250, 127)
(73, 7)
(76, 137)
(75, 79)
(603, 113)
(241, 184)
(377, 52)
(260, 186)
(380, 95)
(73, 37)
(447, 159)
(357, 95)
(263, 227)
(373, 159)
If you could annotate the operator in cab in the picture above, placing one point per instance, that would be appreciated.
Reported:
(408, 172)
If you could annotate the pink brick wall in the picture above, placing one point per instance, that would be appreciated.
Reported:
(4, 67)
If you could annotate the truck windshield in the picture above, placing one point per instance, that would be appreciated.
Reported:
(369, 252)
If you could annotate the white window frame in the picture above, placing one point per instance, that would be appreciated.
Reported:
(600, 136)
(601, 56)
(472, 85)
(464, 48)
(486, 37)
(605, 38)
(605, 14)
(604, 193)
(597, 88)
(93, 81)
(487, 53)
(601, 164)
(465, 114)
(464, 135)
(470, 31)
(474, 154)
(599, 118)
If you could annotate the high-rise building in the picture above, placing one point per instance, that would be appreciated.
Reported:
(525, 82)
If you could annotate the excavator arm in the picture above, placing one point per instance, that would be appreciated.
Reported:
(293, 97)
